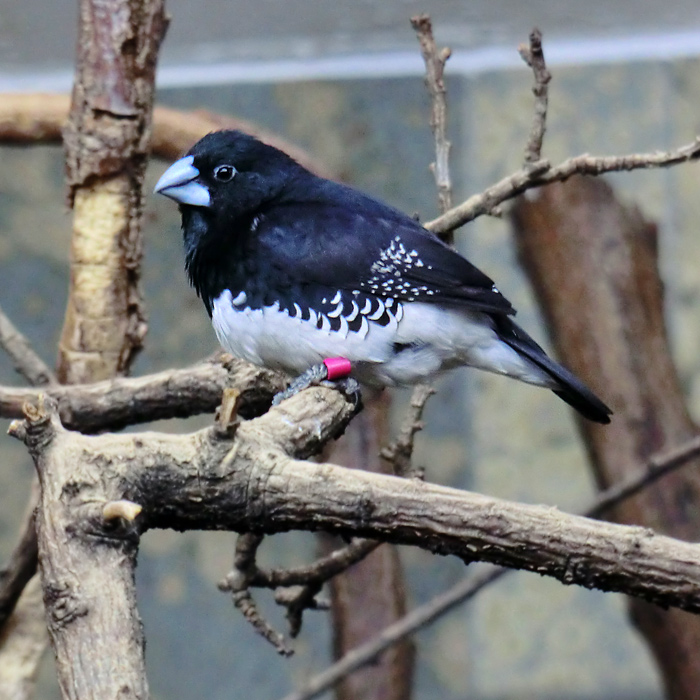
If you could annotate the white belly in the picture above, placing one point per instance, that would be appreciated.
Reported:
(437, 339)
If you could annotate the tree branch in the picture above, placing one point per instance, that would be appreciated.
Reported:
(26, 362)
(176, 393)
(21, 565)
(298, 586)
(424, 615)
(32, 119)
(542, 173)
(239, 582)
(435, 60)
(400, 452)
(533, 55)
(23, 642)
(257, 486)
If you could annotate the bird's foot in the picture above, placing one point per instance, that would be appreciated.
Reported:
(333, 372)
(312, 376)
(350, 388)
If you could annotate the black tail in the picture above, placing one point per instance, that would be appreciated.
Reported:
(570, 389)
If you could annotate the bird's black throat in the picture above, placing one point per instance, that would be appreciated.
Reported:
(219, 258)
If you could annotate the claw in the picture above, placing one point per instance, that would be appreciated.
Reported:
(314, 375)
(331, 372)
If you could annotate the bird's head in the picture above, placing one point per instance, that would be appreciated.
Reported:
(227, 174)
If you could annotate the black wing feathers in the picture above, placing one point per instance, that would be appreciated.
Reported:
(341, 238)
(570, 389)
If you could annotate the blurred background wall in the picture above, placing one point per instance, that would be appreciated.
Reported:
(344, 80)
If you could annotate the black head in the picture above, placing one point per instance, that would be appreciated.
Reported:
(229, 175)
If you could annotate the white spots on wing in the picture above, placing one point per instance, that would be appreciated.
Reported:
(325, 323)
(239, 299)
(353, 313)
(367, 307)
(297, 310)
(380, 310)
(336, 312)
(494, 288)
(395, 256)
(389, 269)
(254, 224)
(364, 328)
(337, 301)
(398, 313)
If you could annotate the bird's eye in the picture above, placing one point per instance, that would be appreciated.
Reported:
(224, 173)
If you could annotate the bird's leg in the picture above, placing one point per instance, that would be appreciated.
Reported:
(333, 370)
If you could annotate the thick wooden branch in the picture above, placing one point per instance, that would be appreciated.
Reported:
(427, 613)
(106, 142)
(36, 118)
(87, 566)
(196, 482)
(174, 393)
(87, 551)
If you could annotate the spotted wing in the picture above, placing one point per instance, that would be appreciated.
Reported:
(382, 254)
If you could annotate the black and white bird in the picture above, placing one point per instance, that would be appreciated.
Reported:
(299, 273)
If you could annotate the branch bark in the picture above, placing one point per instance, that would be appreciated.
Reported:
(257, 483)
(176, 393)
(32, 119)
(106, 142)
(371, 595)
(467, 588)
(26, 362)
(542, 173)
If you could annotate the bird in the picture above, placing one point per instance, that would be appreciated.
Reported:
(312, 277)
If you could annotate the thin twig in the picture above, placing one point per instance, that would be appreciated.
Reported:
(321, 570)
(467, 588)
(533, 55)
(542, 173)
(400, 452)
(297, 587)
(656, 467)
(26, 362)
(435, 60)
(22, 563)
(238, 582)
(409, 624)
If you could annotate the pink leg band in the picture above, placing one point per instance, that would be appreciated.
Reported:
(338, 367)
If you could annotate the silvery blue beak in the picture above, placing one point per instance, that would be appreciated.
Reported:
(179, 182)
